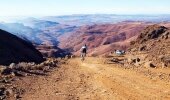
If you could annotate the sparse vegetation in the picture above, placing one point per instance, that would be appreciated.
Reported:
(12, 72)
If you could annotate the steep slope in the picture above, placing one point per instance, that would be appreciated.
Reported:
(14, 49)
(103, 38)
(41, 33)
(151, 32)
(153, 44)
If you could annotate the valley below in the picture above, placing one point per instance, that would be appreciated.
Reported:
(128, 58)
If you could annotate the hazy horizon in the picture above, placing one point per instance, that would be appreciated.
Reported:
(19, 18)
(63, 7)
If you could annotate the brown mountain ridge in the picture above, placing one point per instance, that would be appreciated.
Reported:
(102, 38)
(153, 46)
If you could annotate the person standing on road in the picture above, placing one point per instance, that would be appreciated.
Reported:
(83, 51)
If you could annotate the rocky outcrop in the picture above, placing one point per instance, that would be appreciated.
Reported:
(8, 74)
(154, 42)
(151, 32)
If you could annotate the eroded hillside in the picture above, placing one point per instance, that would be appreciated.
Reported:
(102, 39)
(152, 46)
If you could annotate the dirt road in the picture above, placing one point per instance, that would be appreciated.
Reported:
(94, 80)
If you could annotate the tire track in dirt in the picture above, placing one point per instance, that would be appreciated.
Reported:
(128, 84)
(94, 80)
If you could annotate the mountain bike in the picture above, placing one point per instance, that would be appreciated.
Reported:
(83, 55)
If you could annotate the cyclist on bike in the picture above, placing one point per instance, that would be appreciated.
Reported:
(83, 51)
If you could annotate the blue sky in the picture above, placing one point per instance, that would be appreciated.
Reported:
(67, 7)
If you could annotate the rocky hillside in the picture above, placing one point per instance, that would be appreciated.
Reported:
(10, 75)
(152, 47)
(14, 50)
(51, 51)
(103, 38)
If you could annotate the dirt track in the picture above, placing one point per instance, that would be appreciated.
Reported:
(93, 80)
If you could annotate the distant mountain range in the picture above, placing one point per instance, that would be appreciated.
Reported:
(70, 32)
(22, 31)
(32, 28)
(38, 24)
(37, 31)
(91, 19)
